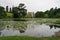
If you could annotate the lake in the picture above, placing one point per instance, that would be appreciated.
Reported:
(32, 28)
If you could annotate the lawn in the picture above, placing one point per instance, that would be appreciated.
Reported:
(9, 15)
(28, 38)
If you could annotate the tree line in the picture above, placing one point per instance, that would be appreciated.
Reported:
(52, 13)
(20, 12)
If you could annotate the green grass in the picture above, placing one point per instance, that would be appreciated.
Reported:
(9, 14)
(57, 22)
(28, 38)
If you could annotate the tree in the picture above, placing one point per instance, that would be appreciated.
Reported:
(22, 10)
(10, 10)
(19, 11)
(51, 13)
(15, 12)
(2, 12)
(58, 10)
(39, 14)
(6, 8)
(46, 14)
(58, 15)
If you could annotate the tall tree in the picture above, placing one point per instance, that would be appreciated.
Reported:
(2, 12)
(58, 13)
(19, 11)
(6, 8)
(51, 13)
(10, 10)
(22, 10)
(15, 12)
(46, 14)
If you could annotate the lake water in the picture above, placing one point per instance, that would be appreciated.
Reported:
(27, 28)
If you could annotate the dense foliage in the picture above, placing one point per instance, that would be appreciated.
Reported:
(52, 13)
(17, 12)
(2, 12)
(21, 12)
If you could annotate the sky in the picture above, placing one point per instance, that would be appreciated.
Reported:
(32, 5)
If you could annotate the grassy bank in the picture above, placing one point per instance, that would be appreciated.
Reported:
(28, 38)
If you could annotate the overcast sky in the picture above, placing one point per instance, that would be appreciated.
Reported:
(33, 5)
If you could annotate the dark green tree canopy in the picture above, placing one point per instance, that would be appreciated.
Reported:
(2, 12)
(52, 13)
(19, 11)
(39, 14)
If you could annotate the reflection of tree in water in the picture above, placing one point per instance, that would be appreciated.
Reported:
(21, 26)
(51, 26)
(55, 26)
(2, 24)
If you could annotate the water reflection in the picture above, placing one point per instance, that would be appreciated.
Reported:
(16, 25)
(29, 28)
(55, 26)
